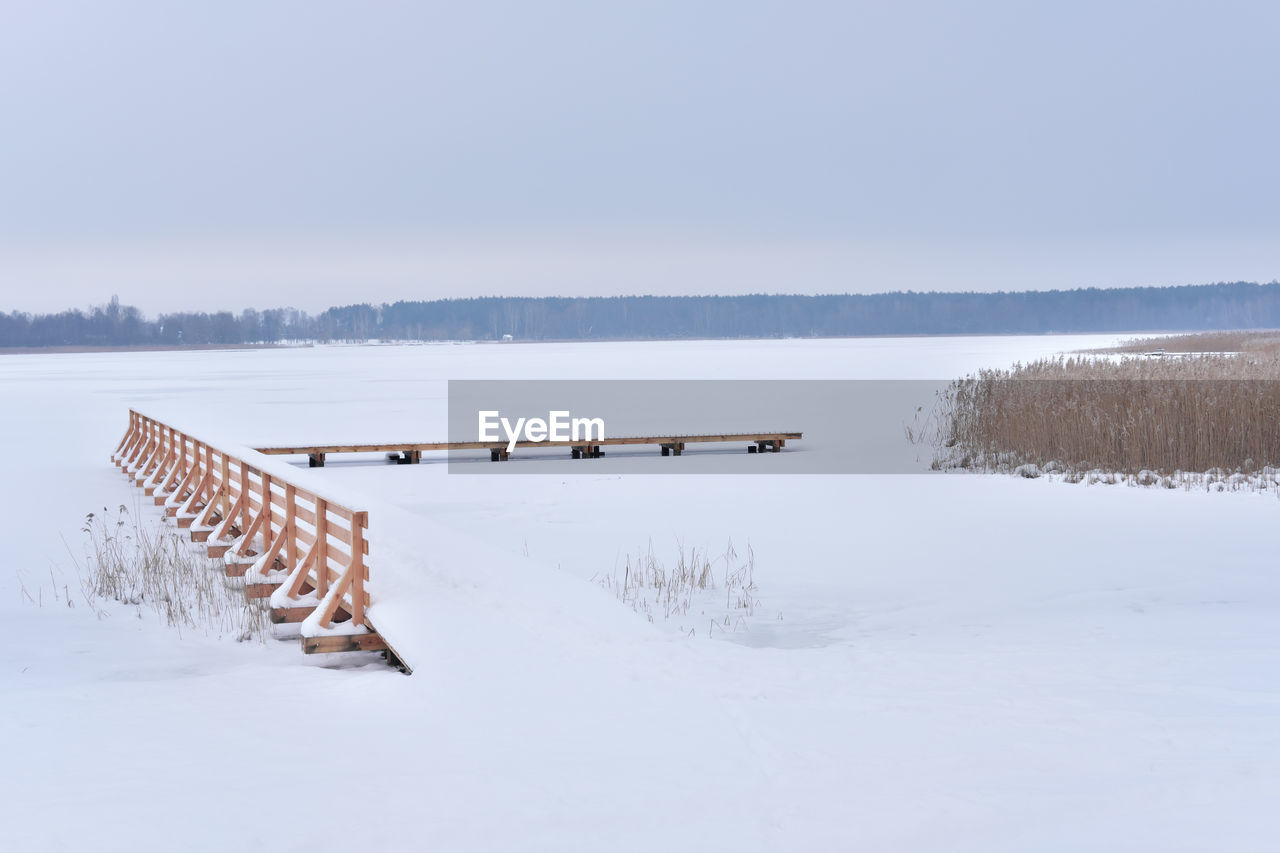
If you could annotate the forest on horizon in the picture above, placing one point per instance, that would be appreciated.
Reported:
(1238, 305)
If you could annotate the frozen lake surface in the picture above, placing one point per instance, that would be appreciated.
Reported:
(933, 662)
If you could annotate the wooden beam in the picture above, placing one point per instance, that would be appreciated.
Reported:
(288, 615)
(259, 590)
(348, 643)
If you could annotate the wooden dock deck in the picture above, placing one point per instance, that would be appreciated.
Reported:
(669, 445)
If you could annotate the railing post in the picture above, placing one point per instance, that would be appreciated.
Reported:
(182, 454)
(147, 455)
(290, 527)
(245, 510)
(358, 569)
(322, 547)
(178, 462)
(208, 473)
(268, 512)
(224, 486)
(128, 435)
(196, 470)
(166, 450)
(135, 452)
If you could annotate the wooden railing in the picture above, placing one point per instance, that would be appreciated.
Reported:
(306, 552)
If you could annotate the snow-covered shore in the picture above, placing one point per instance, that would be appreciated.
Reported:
(936, 662)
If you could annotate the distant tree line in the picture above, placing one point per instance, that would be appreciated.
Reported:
(1239, 305)
(114, 324)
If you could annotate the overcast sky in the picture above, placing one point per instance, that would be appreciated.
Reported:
(228, 155)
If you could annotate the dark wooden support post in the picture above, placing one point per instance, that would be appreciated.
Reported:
(315, 460)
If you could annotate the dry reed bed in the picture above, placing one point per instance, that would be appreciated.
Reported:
(1260, 342)
(1140, 417)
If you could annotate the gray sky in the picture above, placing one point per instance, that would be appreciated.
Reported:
(227, 155)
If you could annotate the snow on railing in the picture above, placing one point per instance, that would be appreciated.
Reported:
(293, 544)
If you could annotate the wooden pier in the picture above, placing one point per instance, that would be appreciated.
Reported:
(411, 453)
(303, 551)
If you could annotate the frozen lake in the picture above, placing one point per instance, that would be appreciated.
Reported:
(933, 662)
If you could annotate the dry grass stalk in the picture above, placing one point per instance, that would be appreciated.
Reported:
(147, 566)
(653, 589)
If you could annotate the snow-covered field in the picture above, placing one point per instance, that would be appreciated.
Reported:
(936, 661)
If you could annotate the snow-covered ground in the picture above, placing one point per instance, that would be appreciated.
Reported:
(936, 661)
